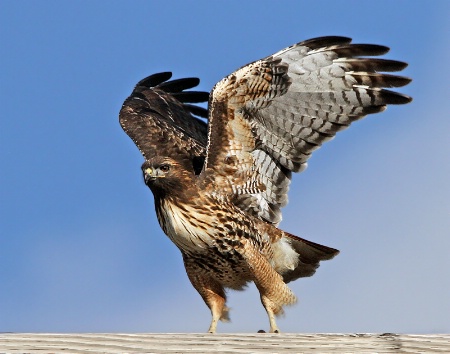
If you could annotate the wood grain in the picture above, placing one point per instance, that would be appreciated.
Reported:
(223, 343)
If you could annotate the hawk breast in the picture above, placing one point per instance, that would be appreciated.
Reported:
(186, 225)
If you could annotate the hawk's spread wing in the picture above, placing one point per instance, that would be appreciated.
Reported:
(158, 118)
(269, 116)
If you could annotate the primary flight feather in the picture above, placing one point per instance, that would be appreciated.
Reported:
(219, 187)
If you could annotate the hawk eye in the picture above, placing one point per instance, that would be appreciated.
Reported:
(164, 168)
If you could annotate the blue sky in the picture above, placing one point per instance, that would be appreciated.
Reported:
(81, 250)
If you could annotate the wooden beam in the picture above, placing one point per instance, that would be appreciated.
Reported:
(229, 343)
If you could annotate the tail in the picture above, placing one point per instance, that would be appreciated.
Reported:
(309, 256)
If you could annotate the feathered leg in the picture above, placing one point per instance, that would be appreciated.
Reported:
(273, 291)
(210, 290)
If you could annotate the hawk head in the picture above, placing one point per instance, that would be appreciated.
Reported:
(164, 175)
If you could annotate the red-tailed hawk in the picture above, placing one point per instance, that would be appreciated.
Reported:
(219, 187)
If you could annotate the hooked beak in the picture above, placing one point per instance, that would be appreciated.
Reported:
(150, 175)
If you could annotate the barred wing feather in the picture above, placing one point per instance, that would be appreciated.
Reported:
(266, 118)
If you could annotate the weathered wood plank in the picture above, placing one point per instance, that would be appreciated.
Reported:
(223, 343)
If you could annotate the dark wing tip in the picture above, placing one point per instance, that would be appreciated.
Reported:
(372, 64)
(396, 65)
(325, 41)
(196, 110)
(373, 49)
(392, 97)
(154, 80)
(161, 80)
(359, 50)
(344, 46)
(401, 81)
(179, 85)
(372, 79)
(191, 96)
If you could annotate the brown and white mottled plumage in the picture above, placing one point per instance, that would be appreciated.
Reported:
(219, 188)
